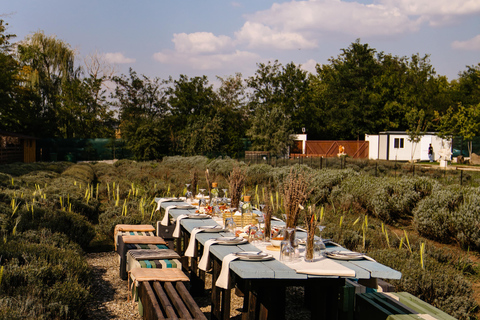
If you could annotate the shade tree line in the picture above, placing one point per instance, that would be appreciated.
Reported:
(44, 93)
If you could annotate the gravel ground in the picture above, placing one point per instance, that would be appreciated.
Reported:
(110, 294)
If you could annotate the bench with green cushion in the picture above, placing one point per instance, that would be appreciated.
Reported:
(391, 306)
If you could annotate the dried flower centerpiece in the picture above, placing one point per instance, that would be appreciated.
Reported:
(236, 182)
(312, 220)
(296, 190)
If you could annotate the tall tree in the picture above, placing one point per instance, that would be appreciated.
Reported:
(281, 94)
(52, 64)
(142, 108)
(192, 103)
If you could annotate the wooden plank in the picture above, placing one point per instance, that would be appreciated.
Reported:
(176, 301)
(190, 303)
(164, 301)
(151, 308)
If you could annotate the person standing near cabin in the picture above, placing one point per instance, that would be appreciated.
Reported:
(430, 153)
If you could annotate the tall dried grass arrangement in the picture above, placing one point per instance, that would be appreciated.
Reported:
(236, 182)
(312, 219)
(268, 211)
(193, 181)
(296, 190)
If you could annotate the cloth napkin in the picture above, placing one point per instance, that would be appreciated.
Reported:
(224, 277)
(176, 232)
(323, 267)
(165, 217)
(205, 260)
(191, 244)
(320, 266)
(165, 200)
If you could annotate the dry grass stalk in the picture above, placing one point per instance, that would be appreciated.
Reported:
(312, 219)
(236, 182)
(193, 181)
(296, 190)
(207, 178)
(268, 211)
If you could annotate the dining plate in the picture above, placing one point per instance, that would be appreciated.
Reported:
(216, 228)
(184, 207)
(198, 216)
(230, 240)
(253, 256)
(344, 255)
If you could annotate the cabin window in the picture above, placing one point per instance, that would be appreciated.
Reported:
(398, 143)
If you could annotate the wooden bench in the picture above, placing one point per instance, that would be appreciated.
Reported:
(395, 306)
(168, 300)
(163, 295)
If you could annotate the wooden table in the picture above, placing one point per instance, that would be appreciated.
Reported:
(264, 283)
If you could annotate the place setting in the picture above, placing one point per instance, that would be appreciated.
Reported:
(252, 256)
(190, 252)
(205, 260)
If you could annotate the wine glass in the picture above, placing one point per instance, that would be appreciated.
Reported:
(319, 244)
(202, 197)
(287, 253)
(230, 225)
(188, 193)
(225, 199)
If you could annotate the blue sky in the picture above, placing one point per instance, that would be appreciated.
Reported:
(162, 38)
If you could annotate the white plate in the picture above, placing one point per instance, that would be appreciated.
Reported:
(198, 216)
(344, 255)
(230, 240)
(253, 256)
(184, 207)
(211, 228)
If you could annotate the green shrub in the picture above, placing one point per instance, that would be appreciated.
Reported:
(82, 172)
(440, 285)
(42, 280)
(466, 220)
(73, 225)
(432, 216)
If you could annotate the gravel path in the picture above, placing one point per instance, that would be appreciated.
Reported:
(110, 294)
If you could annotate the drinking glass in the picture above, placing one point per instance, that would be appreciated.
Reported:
(287, 253)
(320, 244)
(230, 225)
(252, 234)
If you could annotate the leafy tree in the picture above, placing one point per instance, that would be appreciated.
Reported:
(270, 130)
(192, 104)
(417, 126)
(230, 110)
(278, 105)
(463, 121)
(363, 91)
(51, 62)
(142, 109)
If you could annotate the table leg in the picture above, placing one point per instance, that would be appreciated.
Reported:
(322, 297)
(215, 308)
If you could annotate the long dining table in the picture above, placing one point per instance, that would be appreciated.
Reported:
(264, 283)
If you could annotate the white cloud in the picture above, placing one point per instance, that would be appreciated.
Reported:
(470, 44)
(257, 35)
(118, 57)
(207, 62)
(201, 42)
(313, 19)
(310, 66)
(435, 7)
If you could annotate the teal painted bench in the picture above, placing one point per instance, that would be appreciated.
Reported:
(395, 306)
